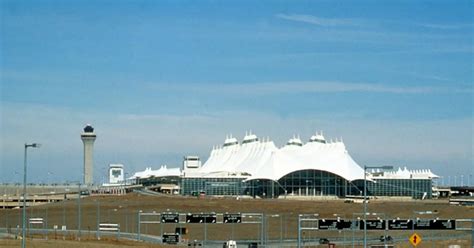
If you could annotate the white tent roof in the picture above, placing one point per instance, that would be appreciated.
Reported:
(263, 160)
(163, 171)
(403, 174)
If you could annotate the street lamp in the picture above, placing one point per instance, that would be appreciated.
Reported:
(79, 217)
(126, 178)
(388, 167)
(23, 232)
(49, 177)
(338, 217)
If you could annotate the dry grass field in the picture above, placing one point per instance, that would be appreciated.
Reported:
(76, 244)
(123, 210)
(129, 244)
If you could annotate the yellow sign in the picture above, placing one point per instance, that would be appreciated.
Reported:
(415, 239)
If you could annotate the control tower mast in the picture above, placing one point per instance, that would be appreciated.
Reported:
(88, 138)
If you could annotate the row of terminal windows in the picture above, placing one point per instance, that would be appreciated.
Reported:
(415, 188)
(307, 183)
(231, 143)
(249, 141)
(192, 159)
(212, 186)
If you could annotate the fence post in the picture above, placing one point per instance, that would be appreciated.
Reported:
(138, 225)
(472, 233)
(299, 231)
(262, 231)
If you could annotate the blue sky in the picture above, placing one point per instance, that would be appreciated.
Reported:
(163, 79)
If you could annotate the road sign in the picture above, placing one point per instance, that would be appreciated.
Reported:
(400, 225)
(334, 224)
(232, 218)
(36, 220)
(372, 225)
(435, 225)
(443, 224)
(170, 238)
(344, 224)
(169, 217)
(421, 224)
(201, 218)
(111, 227)
(415, 239)
(326, 224)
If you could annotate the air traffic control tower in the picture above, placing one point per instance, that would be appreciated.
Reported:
(88, 138)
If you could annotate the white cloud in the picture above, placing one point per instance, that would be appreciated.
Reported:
(333, 22)
(445, 26)
(144, 140)
(319, 21)
(306, 87)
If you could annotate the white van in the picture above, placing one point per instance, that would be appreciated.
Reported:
(230, 244)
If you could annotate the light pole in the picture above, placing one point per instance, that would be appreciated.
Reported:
(126, 178)
(98, 219)
(79, 211)
(338, 217)
(139, 213)
(426, 212)
(365, 196)
(49, 177)
(23, 232)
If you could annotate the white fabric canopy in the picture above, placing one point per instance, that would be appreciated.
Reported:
(263, 160)
(163, 171)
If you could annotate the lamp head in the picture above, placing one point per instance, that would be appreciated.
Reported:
(34, 145)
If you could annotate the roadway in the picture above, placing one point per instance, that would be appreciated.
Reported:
(218, 243)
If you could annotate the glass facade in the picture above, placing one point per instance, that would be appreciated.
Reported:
(302, 183)
(415, 188)
(212, 186)
(306, 183)
(157, 180)
(314, 183)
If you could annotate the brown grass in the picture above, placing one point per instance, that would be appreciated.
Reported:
(77, 244)
(128, 206)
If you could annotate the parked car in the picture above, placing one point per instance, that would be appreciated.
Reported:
(386, 238)
(323, 241)
(194, 243)
(253, 245)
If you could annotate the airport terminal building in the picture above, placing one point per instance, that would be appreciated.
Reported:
(317, 168)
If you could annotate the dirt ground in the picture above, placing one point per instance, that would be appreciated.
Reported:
(5, 243)
(75, 244)
(281, 214)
